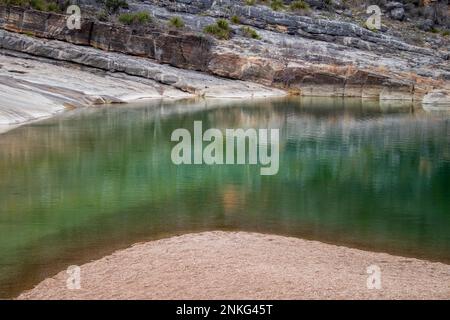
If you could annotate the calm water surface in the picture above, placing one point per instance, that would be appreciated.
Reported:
(89, 182)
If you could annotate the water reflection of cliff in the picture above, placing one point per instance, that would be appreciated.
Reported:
(350, 172)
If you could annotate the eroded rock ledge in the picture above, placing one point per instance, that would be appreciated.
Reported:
(301, 54)
(33, 87)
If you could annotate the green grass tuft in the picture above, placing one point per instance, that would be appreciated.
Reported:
(103, 16)
(223, 24)
(434, 30)
(298, 5)
(126, 18)
(142, 17)
(250, 33)
(135, 18)
(235, 20)
(176, 22)
(220, 29)
(52, 7)
(277, 5)
(40, 5)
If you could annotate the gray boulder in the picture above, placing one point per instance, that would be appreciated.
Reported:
(348, 13)
(397, 14)
(395, 10)
(393, 5)
(426, 25)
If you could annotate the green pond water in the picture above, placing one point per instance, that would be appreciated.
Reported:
(361, 174)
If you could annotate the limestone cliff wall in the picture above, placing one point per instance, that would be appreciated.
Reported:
(317, 57)
(184, 50)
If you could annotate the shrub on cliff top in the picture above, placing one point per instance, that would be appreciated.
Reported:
(38, 5)
(52, 7)
(19, 3)
(298, 5)
(126, 18)
(135, 18)
(43, 5)
(223, 24)
(250, 33)
(220, 29)
(176, 22)
(250, 2)
(434, 30)
(103, 16)
(235, 19)
(276, 5)
(142, 17)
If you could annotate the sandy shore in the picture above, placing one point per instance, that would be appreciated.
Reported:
(240, 265)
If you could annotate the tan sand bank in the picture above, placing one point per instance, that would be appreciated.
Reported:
(240, 265)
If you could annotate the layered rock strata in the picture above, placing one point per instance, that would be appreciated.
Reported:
(304, 55)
